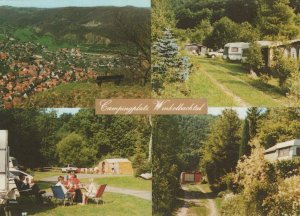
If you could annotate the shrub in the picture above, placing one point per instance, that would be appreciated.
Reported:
(283, 67)
(287, 199)
(255, 58)
(233, 205)
(293, 83)
(288, 168)
(252, 176)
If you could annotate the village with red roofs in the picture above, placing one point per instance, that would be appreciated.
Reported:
(27, 68)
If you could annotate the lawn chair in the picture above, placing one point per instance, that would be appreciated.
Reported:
(25, 192)
(59, 194)
(99, 194)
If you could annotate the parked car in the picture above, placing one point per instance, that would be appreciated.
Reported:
(213, 54)
(69, 168)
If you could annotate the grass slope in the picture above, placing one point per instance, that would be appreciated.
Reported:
(234, 78)
(128, 182)
(201, 87)
(115, 204)
(84, 95)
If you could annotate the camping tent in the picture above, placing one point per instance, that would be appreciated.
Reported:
(116, 166)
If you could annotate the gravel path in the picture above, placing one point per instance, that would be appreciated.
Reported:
(192, 199)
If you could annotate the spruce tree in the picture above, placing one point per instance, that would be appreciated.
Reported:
(244, 147)
(166, 49)
(167, 64)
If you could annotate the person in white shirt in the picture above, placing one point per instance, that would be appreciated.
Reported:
(91, 192)
(61, 182)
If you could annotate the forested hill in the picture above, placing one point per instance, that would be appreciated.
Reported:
(190, 12)
(217, 22)
(76, 23)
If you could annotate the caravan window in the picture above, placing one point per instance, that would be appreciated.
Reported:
(298, 151)
(293, 52)
(234, 49)
(284, 152)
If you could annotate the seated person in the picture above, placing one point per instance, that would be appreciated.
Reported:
(26, 190)
(75, 186)
(61, 182)
(91, 192)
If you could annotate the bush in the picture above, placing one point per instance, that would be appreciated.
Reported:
(143, 168)
(287, 199)
(233, 205)
(255, 58)
(288, 168)
(283, 67)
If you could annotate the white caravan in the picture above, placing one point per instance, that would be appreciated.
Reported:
(283, 151)
(234, 51)
(4, 173)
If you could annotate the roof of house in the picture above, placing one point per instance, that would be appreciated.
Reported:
(116, 160)
(295, 142)
(276, 43)
(238, 44)
(195, 44)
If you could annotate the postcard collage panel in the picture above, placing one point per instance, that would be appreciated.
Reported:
(59, 156)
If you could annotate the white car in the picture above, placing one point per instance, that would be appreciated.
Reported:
(69, 168)
(213, 54)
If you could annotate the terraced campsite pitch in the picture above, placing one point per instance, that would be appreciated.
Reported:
(228, 84)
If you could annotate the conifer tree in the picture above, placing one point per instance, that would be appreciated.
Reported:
(167, 65)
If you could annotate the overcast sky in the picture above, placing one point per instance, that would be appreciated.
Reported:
(75, 3)
(241, 111)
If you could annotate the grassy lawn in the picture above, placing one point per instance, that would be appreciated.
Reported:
(235, 78)
(84, 95)
(41, 175)
(201, 87)
(115, 204)
(128, 182)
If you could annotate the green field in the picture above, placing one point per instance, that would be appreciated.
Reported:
(228, 84)
(128, 182)
(84, 95)
(115, 204)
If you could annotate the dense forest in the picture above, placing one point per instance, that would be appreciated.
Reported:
(229, 153)
(43, 138)
(217, 22)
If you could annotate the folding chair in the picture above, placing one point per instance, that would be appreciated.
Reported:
(59, 194)
(99, 194)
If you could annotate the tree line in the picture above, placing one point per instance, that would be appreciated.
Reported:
(215, 23)
(39, 137)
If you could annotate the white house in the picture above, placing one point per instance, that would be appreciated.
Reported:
(283, 151)
(234, 51)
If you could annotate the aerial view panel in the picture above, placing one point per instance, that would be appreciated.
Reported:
(67, 53)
